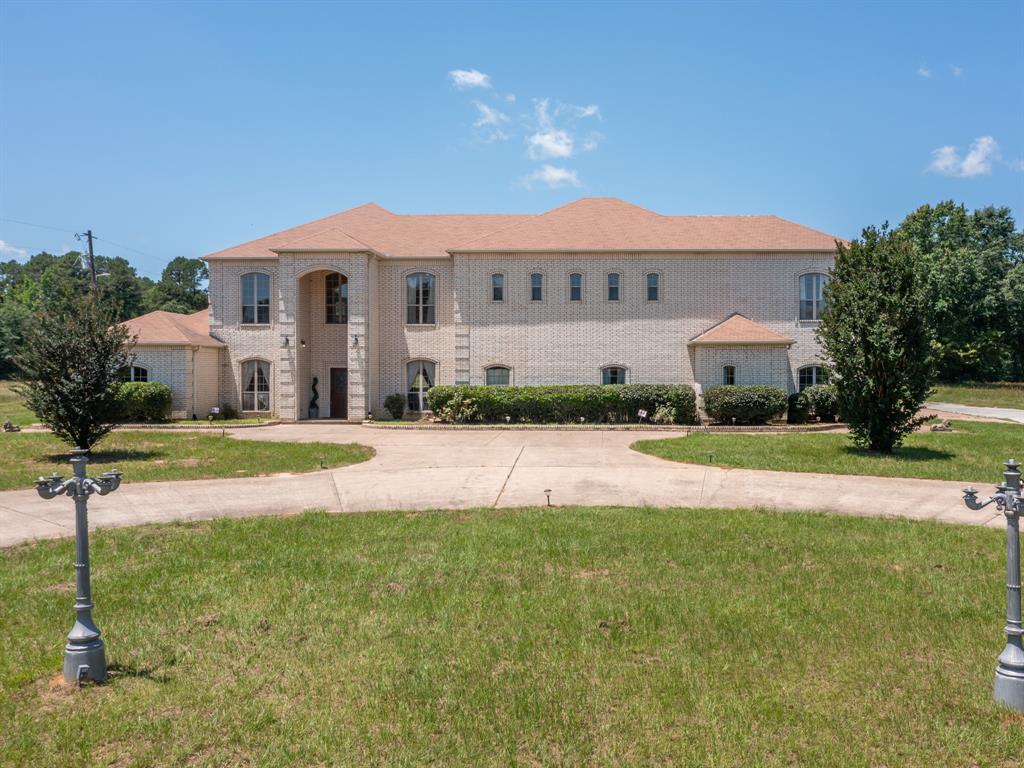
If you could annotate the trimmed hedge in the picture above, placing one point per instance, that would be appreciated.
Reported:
(143, 401)
(823, 401)
(562, 404)
(747, 404)
(799, 408)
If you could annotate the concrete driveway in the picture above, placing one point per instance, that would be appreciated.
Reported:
(452, 469)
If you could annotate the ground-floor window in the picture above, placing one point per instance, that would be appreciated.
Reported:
(810, 375)
(613, 375)
(256, 385)
(137, 373)
(498, 376)
(729, 374)
(420, 375)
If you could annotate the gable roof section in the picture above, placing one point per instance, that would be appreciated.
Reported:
(170, 329)
(738, 329)
(585, 225)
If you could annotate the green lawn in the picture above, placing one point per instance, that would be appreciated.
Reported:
(1003, 394)
(11, 407)
(975, 452)
(169, 455)
(564, 637)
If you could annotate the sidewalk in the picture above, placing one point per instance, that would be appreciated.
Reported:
(422, 469)
(1010, 414)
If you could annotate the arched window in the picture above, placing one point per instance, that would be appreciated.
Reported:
(498, 376)
(810, 375)
(256, 298)
(653, 286)
(536, 287)
(255, 385)
(812, 302)
(575, 287)
(497, 287)
(728, 374)
(135, 373)
(614, 281)
(420, 378)
(336, 298)
(613, 375)
(420, 299)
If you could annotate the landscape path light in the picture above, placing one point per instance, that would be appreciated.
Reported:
(1009, 685)
(84, 658)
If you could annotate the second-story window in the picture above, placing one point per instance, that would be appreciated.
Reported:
(536, 287)
(575, 287)
(420, 299)
(255, 299)
(812, 302)
(652, 286)
(614, 278)
(497, 287)
(336, 296)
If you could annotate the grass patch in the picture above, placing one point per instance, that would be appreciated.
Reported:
(975, 451)
(169, 455)
(11, 406)
(1000, 394)
(530, 637)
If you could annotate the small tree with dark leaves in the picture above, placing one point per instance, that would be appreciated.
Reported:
(876, 336)
(71, 363)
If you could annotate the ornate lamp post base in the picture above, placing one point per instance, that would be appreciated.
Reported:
(1009, 688)
(85, 661)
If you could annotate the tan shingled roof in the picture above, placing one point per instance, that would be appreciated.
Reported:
(172, 329)
(588, 224)
(737, 329)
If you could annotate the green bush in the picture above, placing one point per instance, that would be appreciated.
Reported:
(823, 401)
(395, 405)
(594, 403)
(799, 408)
(143, 401)
(746, 404)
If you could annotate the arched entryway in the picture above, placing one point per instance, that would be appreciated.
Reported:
(321, 331)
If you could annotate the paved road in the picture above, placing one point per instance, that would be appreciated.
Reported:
(1010, 414)
(427, 469)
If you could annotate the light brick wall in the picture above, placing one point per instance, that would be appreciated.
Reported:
(206, 381)
(553, 341)
(171, 366)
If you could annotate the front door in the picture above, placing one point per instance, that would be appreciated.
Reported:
(339, 393)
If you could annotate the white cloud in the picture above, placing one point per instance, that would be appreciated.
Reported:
(6, 249)
(923, 71)
(552, 140)
(510, 98)
(550, 143)
(490, 120)
(957, 71)
(977, 162)
(553, 176)
(469, 78)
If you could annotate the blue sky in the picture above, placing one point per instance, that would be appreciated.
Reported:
(178, 129)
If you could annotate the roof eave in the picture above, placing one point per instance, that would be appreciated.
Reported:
(742, 343)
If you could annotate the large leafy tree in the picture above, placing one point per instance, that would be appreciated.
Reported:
(964, 258)
(875, 332)
(182, 286)
(71, 360)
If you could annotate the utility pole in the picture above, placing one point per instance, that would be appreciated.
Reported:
(92, 262)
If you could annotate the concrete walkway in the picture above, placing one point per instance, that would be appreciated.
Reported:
(1010, 414)
(428, 469)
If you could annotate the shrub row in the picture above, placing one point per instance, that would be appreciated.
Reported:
(667, 403)
(753, 404)
(143, 401)
(818, 400)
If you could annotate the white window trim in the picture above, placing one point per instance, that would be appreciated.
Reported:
(241, 303)
(241, 385)
(815, 364)
(622, 281)
(405, 299)
(647, 299)
(346, 282)
(504, 288)
(583, 287)
(511, 374)
(625, 371)
(735, 374)
(405, 379)
(799, 279)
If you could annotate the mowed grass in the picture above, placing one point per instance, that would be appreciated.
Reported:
(11, 407)
(974, 451)
(1001, 394)
(565, 637)
(169, 455)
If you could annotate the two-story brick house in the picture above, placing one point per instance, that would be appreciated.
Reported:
(371, 303)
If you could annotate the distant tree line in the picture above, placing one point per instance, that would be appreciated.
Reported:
(57, 285)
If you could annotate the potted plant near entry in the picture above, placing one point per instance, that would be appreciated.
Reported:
(314, 400)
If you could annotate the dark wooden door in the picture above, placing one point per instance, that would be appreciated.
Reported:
(339, 393)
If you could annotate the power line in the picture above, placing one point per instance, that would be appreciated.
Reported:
(126, 247)
(73, 232)
(40, 226)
